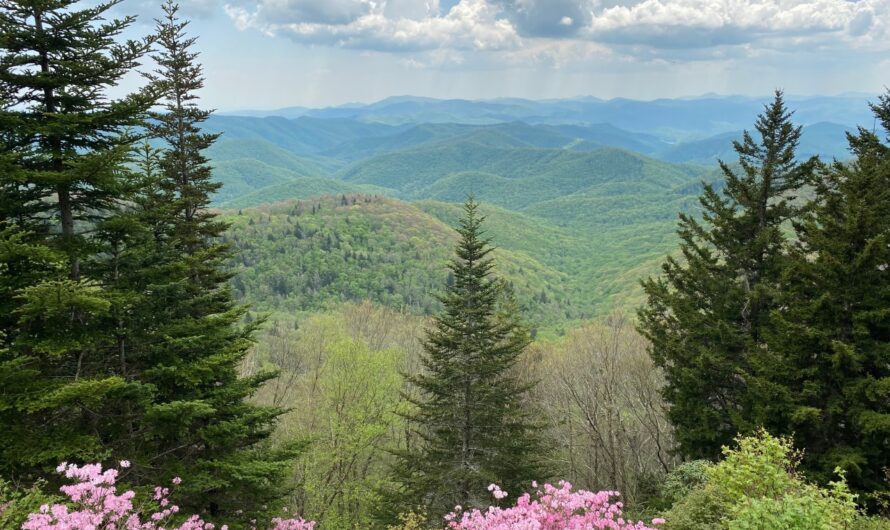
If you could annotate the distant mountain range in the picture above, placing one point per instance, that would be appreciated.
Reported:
(583, 194)
(262, 159)
(674, 119)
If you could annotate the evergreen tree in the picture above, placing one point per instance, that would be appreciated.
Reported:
(63, 144)
(832, 331)
(470, 426)
(200, 425)
(706, 314)
(119, 335)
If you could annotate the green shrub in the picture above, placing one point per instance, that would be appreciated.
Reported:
(873, 523)
(16, 505)
(683, 479)
(757, 487)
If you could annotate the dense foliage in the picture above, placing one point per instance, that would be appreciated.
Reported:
(63, 148)
(832, 373)
(314, 254)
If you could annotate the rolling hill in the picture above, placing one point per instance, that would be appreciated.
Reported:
(311, 255)
(357, 202)
(519, 177)
(314, 254)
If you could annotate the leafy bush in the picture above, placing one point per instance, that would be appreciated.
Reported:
(873, 523)
(684, 479)
(757, 486)
(16, 505)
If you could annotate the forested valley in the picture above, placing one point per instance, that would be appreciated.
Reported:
(417, 314)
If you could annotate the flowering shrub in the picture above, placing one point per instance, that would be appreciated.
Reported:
(96, 505)
(552, 508)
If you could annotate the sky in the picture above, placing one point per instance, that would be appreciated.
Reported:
(263, 54)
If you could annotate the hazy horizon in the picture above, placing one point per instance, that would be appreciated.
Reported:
(710, 95)
(320, 53)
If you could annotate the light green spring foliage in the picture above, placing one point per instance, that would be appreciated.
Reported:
(340, 377)
(316, 254)
(757, 487)
(16, 504)
(359, 398)
(409, 521)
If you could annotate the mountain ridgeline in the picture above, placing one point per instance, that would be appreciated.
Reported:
(579, 208)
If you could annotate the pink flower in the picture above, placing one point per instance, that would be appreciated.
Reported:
(552, 508)
(95, 504)
(496, 491)
(177, 481)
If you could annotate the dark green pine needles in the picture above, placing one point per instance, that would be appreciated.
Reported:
(470, 426)
(63, 143)
(200, 420)
(755, 328)
(706, 314)
(831, 334)
(120, 337)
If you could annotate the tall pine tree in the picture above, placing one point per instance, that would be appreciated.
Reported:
(119, 335)
(706, 314)
(470, 424)
(832, 331)
(200, 425)
(63, 144)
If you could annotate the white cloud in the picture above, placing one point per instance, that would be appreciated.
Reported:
(648, 29)
(412, 9)
(313, 11)
(706, 23)
(556, 53)
(471, 24)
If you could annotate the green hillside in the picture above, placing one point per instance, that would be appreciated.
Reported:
(311, 255)
(315, 254)
(244, 176)
(606, 134)
(576, 225)
(517, 177)
(228, 149)
(360, 148)
(602, 265)
(298, 188)
(255, 171)
(304, 135)
(576, 229)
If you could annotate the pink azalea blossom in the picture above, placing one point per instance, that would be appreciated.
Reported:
(551, 508)
(95, 504)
